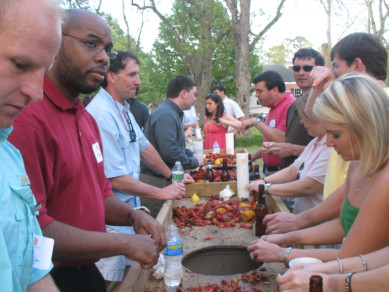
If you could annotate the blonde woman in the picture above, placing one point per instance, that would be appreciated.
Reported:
(354, 111)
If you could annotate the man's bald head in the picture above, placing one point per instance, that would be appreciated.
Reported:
(75, 18)
(8, 17)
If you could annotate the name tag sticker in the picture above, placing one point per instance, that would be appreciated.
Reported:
(43, 251)
(272, 123)
(24, 180)
(97, 151)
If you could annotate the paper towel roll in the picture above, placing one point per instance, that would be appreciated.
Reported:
(242, 174)
(198, 146)
(230, 143)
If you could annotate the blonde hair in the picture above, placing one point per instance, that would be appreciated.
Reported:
(357, 102)
(300, 105)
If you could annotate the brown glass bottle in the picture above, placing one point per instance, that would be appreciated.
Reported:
(256, 172)
(315, 283)
(261, 211)
(251, 169)
(225, 172)
(209, 176)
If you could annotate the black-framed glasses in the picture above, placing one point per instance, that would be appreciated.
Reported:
(131, 129)
(306, 68)
(95, 46)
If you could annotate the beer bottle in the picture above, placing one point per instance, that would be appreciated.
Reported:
(261, 211)
(315, 283)
(251, 169)
(209, 174)
(225, 172)
(256, 172)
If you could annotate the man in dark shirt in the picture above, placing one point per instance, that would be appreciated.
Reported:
(140, 111)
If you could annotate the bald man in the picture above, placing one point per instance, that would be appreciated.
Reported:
(29, 41)
(61, 145)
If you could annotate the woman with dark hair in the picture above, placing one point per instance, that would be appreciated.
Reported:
(216, 122)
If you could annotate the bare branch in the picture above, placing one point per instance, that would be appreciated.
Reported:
(268, 26)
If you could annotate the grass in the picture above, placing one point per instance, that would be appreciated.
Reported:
(254, 139)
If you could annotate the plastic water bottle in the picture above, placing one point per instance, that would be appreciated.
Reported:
(177, 173)
(216, 147)
(173, 256)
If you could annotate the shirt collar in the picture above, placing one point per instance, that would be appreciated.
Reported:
(4, 133)
(122, 107)
(286, 95)
(179, 111)
(56, 96)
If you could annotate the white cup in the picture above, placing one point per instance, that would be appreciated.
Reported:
(198, 146)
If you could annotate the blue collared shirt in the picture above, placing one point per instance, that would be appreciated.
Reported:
(121, 157)
(17, 221)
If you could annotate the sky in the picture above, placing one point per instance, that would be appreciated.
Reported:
(305, 18)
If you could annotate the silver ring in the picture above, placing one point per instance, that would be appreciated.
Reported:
(251, 256)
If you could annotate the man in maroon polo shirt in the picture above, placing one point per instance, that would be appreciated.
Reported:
(62, 150)
(270, 90)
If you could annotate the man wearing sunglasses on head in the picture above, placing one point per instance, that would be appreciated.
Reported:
(60, 143)
(124, 145)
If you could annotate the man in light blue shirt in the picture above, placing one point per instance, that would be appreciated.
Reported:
(123, 146)
(30, 36)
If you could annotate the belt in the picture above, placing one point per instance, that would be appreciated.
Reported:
(272, 168)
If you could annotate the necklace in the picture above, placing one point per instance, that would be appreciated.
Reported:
(363, 181)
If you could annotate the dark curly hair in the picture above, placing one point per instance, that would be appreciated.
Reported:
(220, 106)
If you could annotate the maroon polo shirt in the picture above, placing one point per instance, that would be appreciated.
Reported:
(57, 142)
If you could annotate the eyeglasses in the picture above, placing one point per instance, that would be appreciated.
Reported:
(130, 130)
(307, 68)
(95, 46)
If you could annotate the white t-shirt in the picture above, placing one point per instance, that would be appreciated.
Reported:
(232, 108)
(190, 116)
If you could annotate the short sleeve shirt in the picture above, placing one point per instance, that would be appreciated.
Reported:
(190, 116)
(232, 108)
(312, 163)
(121, 156)
(277, 119)
(17, 221)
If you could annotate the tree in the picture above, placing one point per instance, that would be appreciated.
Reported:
(240, 25)
(197, 28)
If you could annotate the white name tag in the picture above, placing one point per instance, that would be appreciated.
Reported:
(97, 151)
(43, 251)
(272, 123)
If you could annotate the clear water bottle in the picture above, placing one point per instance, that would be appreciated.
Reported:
(173, 256)
(177, 173)
(216, 147)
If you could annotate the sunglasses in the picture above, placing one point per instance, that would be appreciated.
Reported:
(306, 68)
(131, 129)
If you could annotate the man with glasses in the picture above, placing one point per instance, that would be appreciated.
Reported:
(296, 136)
(60, 143)
(124, 144)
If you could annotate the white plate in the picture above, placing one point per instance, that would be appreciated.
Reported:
(304, 260)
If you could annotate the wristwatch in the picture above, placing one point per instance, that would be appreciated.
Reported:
(133, 210)
(267, 186)
(260, 118)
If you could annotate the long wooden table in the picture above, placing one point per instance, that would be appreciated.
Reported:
(138, 279)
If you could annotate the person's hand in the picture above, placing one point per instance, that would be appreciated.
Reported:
(296, 280)
(278, 239)
(281, 149)
(266, 147)
(253, 186)
(263, 251)
(322, 78)
(188, 179)
(175, 191)
(147, 225)
(245, 125)
(281, 222)
(189, 132)
(200, 158)
(143, 249)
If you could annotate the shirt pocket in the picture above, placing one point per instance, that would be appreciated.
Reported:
(25, 194)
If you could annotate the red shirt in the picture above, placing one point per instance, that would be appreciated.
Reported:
(277, 119)
(67, 177)
(213, 133)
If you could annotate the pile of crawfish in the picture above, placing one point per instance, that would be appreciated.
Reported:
(219, 213)
(200, 175)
